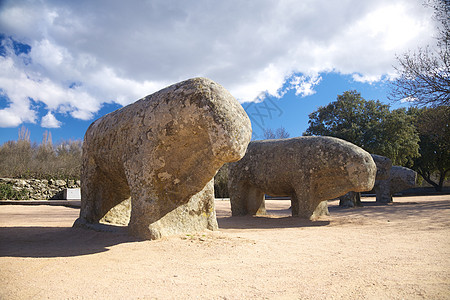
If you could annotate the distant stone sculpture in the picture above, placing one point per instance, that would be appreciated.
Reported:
(384, 164)
(400, 178)
(162, 151)
(308, 169)
(351, 199)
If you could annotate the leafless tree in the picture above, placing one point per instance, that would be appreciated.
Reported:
(280, 133)
(424, 75)
(269, 134)
(23, 159)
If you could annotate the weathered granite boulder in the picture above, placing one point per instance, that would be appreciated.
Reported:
(400, 178)
(384, 164)
(162, 151)
(308, 169)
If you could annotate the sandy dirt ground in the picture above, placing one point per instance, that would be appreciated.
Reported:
(399, 251)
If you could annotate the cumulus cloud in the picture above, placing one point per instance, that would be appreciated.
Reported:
(49, 121)
(303, 85)
(86, 53)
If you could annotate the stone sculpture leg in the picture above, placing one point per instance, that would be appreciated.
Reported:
(303, 207)
(239, 196)
(247, 200)
(100, 193)
(197, 214)
(351, 199)
(294, 205)
(382, 191)
(255, 201)
(301, 204)
(321, 210)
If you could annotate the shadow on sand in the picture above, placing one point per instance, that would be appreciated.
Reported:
(267, 222)
(395, 207)
(57, 241)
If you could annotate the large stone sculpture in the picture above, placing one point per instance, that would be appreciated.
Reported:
(400, 178)
(384, 164)
(308, 169)
(162, 151)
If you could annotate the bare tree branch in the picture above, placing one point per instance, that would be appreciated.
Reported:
(424, 75)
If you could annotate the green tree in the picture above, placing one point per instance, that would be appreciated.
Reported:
(368, 124)
(433, 125)
(221, 182)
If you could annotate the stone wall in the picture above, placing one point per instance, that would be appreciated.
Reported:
(35, 189)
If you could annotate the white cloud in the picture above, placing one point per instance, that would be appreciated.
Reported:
(14, 87)
(366, 78)
(49, 121)
(409, 100)
(304, 85)
(85, 53)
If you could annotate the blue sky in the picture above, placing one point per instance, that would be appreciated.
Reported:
(291, 111)
(64, 64)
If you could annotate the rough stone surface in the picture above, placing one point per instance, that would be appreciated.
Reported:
(384, 164)
(308, 169)
(162, 152)
(119, 214)
(400, 178)
(351, 199)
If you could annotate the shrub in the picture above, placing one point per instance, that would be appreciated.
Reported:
(7, 192)
(221, 182)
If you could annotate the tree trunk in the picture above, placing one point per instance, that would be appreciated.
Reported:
(427, 178)
(441, 180)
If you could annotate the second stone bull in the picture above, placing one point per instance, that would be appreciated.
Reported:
(308, 169)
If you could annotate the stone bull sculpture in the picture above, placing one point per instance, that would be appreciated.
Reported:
(162, 151)
(384, 165)
(400, 178)
(308, 169)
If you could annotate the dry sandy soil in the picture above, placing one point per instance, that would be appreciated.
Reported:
(399, 251)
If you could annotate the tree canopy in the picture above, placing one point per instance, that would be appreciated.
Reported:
(433, 125)
(368, 124)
